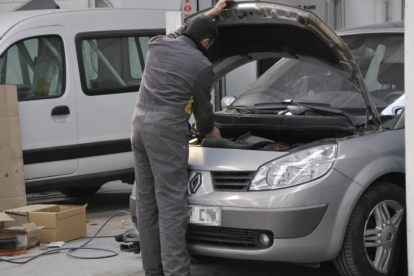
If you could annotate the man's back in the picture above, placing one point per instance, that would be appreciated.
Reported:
(172, 69)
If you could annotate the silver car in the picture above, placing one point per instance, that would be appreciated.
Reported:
(312, 168)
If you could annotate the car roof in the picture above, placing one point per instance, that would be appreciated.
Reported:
(388, 27)
(10, 19)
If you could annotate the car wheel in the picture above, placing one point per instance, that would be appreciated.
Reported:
(371, 231)
(80, 191)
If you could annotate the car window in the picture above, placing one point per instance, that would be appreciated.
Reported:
(35, 66)
(381, 61)
(112, 64)
(135, 52)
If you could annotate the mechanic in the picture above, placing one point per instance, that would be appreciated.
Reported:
(176, 81)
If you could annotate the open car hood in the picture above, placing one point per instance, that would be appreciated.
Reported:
(258, 30)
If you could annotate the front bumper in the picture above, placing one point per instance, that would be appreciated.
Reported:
(284, 223)
(307, 221)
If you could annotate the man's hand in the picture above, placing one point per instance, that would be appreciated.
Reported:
(218, 8)
(214, 133)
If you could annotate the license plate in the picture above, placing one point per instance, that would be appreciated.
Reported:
(204, 215)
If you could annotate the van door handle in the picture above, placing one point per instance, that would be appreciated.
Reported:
(60, 110)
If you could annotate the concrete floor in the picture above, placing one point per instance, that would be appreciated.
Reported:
(113, 197)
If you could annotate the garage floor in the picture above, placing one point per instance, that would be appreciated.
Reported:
(113, 197)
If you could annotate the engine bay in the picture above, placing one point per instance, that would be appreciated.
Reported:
(273, 133)
(248, 142)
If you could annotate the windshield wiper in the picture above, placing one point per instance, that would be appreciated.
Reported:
(290, 102)
(345, 114)
(316, 107)
(241, 108)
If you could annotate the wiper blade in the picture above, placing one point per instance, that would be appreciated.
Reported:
(241, 108)
(345, 114)
(316, 107)
(291, 102)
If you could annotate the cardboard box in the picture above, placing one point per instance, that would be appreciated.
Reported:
(61, 222)
(26, 236)
(12, 184)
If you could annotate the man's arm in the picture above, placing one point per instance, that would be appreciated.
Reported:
(172, 35)
(217, 9)
(202, 107)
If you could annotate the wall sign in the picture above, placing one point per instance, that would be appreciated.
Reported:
(188, 7)
(307, 7)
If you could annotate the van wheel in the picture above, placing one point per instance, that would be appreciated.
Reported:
(371, 231)
(80, 191)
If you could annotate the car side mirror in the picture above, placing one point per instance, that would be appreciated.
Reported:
(226, 101)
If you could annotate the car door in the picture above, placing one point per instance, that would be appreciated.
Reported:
(38, 63)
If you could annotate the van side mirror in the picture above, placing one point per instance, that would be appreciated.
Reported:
(226, 101)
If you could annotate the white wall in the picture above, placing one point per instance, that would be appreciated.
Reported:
(363, 12)
(9, 5)
(359, 13)
(409, 128)
(73, 4)
(158, 4)
(394, 10)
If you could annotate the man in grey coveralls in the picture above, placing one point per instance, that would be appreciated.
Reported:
(176, 82)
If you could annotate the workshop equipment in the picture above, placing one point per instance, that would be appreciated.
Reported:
(17, 238)
(8, 243)
(129, 236)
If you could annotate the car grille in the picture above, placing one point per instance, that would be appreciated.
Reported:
(231, 181)
(228, 237)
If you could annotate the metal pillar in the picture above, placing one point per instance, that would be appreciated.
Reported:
(173, 21)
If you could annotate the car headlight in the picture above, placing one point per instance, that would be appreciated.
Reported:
(294, 169)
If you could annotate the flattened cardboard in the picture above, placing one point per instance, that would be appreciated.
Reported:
(4, 218)
(61, 222)
(21, 215)
(12, 185)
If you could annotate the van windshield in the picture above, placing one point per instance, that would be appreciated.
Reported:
(381, 61)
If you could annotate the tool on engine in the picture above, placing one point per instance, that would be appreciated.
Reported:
(128, 237)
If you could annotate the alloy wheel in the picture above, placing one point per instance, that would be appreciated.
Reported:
(380, 233)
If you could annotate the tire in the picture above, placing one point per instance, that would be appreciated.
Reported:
(80, 191)
(362, 250)
(199, 259)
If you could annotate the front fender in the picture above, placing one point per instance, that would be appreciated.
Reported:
(366, 158)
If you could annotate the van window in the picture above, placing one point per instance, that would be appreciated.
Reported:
(35, 66)
(112, 64)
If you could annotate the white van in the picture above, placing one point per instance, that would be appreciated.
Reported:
(77, 74)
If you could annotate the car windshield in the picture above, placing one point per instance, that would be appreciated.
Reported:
(381, 61)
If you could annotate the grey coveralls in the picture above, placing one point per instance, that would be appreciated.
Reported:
(177, 80)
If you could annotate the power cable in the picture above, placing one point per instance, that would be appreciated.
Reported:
(71, 250)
